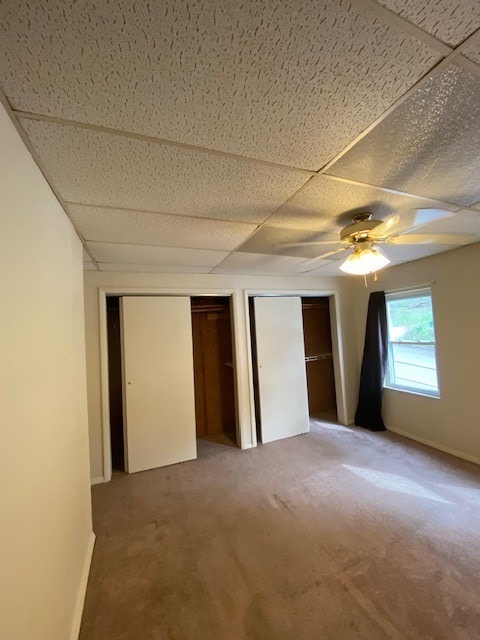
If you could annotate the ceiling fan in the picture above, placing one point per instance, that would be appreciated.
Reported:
(365, 232)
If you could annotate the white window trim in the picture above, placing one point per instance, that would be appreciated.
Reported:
(401, 295)
(413, 392)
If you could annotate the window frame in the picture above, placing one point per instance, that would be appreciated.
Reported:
(389, 379)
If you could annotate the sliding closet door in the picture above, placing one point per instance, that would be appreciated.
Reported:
(282, 383)
(159, 402)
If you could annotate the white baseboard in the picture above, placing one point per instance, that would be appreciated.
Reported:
(82, 589)
(97, 480)
(435, 445)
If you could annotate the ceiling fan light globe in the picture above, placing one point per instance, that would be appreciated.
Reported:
(364, 261)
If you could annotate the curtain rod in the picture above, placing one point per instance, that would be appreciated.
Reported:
(412, 288)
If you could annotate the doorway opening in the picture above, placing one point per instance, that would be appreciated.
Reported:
(292, 353)
(319, 358)
(213, 368)
(214, 374)
(115, 386)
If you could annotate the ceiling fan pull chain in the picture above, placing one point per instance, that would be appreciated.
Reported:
(375, 277)
(365, 280)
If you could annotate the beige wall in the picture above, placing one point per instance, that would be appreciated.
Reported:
(177, 283)
(451, 423)
(45, 535)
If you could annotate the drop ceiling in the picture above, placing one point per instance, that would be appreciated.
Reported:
(210, 136)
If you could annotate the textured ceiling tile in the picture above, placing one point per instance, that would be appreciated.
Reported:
(152, 268)
(430, 145)
(448, 20)
(141, 254)
(287, 81)
(135, 227)
(472, 48)
(86, 257)
(326, 205)
(89, 266)
(256, 263)
(98, 168)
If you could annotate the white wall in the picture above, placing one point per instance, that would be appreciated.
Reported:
(451, 423)
(183, 283)
(46, 532)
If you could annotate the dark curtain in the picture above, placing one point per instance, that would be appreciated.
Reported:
(369, 408)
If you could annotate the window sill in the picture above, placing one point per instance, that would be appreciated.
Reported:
(434, 396)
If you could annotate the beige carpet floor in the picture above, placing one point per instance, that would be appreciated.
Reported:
(337, 534)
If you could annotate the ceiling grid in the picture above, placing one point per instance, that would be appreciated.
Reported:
(229, 133)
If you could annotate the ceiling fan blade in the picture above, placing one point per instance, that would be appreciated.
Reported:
(452, 239)
(400, 223)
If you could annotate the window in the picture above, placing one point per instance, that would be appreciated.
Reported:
(411, 364)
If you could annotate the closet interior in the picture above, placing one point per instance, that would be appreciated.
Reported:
(319, 358)
(213, 369)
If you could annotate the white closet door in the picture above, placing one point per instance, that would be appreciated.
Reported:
(159, 401)
(282, 378)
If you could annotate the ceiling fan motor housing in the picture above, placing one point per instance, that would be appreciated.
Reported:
(360, 228)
